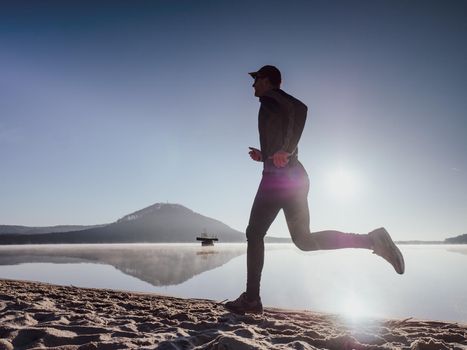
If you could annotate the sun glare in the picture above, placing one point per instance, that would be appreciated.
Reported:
(353, 307)
(343, 184)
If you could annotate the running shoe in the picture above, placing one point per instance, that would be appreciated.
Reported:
(242, 305)
(383, 245)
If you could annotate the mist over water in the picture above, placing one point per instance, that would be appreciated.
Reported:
(350, 282)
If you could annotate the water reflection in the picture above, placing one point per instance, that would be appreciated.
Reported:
(157, 264)
(349, 281)
(458, 249)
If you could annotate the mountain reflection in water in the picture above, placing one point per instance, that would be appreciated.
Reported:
(157, 264)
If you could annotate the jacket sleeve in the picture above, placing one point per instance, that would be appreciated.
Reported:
(294, 113)
(289, 114)
(295, 126)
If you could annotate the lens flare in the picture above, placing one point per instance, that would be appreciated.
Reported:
(343, 184)
(354, 308)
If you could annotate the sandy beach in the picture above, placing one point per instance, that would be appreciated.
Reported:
(43, 316)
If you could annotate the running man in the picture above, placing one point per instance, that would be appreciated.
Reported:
(284, 185)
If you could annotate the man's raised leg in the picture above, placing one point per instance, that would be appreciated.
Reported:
(298, 220)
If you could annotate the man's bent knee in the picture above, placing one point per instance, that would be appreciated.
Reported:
(305, 242)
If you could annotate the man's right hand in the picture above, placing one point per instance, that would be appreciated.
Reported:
(255, 154)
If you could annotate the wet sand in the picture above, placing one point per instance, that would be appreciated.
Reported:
(43, 316)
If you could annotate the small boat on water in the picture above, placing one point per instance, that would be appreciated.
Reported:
(206, 240)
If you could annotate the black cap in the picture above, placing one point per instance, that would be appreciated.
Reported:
(270, 72)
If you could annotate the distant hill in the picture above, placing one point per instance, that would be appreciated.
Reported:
(419, 242)
(21, 230)
(462, 239)
(158, 223)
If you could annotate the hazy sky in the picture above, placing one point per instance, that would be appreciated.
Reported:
(107, 109)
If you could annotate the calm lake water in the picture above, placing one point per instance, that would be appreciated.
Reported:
(354, 283)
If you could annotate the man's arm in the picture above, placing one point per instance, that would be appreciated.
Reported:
(295, 126)
(293, 113)
(295, 116)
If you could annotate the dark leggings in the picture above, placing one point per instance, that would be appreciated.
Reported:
(287, 189)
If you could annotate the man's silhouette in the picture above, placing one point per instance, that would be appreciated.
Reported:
(284, 185)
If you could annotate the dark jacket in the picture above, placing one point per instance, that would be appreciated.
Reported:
(281, 121)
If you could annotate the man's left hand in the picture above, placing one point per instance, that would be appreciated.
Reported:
(280, 159)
